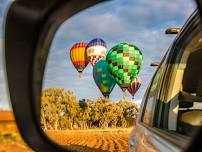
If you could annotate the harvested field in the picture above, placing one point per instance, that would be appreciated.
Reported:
(93, 140)
(108, 140)
(10, 139)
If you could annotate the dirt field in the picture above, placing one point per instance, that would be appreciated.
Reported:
(10, 140)
(110, 140)
(106, 140)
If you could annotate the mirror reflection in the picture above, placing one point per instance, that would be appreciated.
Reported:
(98, 70)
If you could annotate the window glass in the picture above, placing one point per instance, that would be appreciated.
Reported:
(151, 97)
(190, 95)
(183, 100)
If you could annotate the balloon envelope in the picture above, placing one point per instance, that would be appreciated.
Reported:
(123, 63)
(78, 56)
(102, 78)
(135, 85)
(96, 50)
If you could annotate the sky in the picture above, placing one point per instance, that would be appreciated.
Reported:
(4, 98)
(140, 22)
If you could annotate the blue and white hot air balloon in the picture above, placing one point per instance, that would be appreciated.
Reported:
(96, 50)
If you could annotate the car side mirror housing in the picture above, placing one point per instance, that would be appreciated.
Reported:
(29, 30)
(30, 27)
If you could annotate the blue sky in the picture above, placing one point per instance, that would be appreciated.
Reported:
(4, 99)
(141, 22)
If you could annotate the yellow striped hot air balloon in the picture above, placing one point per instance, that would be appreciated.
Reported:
(78, 56)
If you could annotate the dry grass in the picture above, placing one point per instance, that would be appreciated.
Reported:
(108, 140)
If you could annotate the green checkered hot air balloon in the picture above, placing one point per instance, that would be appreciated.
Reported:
(102, 78)
(123, 63)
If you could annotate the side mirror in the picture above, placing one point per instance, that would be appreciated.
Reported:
(172, 31)
(27, 48)
(26, 51)
(154, 64)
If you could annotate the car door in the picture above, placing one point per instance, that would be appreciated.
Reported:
(157, 127)
(143, 133)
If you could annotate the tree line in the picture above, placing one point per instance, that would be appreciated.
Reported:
(61, 110)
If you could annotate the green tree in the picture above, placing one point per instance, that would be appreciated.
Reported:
(60, 110)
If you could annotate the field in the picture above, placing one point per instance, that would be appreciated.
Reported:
(93, 140)
(10, 140)
(108, 140)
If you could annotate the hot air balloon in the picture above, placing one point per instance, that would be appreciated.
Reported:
(78, 56)
(135, 85)
(102, 78)
(96, 50)
(123, 63)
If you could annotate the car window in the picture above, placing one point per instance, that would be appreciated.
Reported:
(151, 95)
(182, 102)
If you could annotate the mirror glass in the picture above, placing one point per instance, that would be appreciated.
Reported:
(98, 69)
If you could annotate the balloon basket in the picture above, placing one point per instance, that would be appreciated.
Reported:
(124, 96)
(107, 97)
(80, 75)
